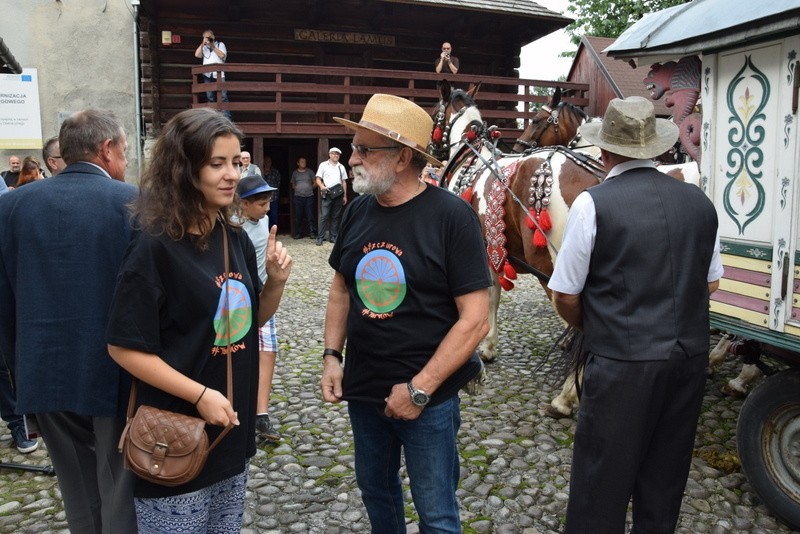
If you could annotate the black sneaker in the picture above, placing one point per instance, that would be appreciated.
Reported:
(265, 431)
(21, 441)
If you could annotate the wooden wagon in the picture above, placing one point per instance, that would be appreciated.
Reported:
(750, 164)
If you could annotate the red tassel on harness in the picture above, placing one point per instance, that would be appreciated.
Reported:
(437, 135)
(539, 240)
(509, 271)
(472, 135)
(529, 219)
(467, 195)
(544, 220)
(505, 283)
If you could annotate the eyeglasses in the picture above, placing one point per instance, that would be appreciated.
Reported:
(363, 151)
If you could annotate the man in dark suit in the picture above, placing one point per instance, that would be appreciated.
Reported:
(61, 243)
(639, 259)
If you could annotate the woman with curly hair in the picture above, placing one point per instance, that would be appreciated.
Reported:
(167, 324)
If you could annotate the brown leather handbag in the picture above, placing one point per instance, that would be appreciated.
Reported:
(169, 448)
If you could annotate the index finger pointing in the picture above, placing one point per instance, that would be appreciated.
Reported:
(271, 240)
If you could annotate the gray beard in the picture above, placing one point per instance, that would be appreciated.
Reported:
(364, 184)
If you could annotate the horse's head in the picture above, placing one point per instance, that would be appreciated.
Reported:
(554, 124)
(454, 114)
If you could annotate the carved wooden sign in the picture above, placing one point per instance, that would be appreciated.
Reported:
(355, 38)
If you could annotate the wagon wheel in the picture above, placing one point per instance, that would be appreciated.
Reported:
(768, 439)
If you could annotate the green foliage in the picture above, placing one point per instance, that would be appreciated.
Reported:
(609, 18)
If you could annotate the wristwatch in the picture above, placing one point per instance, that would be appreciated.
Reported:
(418, 397)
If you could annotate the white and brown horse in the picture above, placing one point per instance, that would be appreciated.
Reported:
(522, 201)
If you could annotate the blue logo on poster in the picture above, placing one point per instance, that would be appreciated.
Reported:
(27, 78)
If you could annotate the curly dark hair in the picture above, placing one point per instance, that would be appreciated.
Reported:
(170, 200)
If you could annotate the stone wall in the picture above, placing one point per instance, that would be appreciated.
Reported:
(83, 53)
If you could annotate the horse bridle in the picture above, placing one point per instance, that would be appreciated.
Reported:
(553, 120)
(440, 149)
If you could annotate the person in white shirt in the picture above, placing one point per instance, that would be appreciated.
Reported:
(247, 168)
(213, 52)
(331, 176)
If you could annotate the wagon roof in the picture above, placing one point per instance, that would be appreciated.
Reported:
(705, 25)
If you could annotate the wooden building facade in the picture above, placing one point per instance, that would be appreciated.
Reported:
(609, 78)
(292, 65)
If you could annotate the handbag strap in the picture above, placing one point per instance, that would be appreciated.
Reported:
(228, 354)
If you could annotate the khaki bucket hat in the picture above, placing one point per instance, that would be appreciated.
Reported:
(630, 128)
(397, 119)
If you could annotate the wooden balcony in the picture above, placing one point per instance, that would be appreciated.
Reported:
(270, 100)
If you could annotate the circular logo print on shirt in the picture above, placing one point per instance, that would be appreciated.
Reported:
(241, 313)
(381, 281)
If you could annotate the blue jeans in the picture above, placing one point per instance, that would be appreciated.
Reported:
(304, 209)
(430, 449)
(211, 96)
(329, 218)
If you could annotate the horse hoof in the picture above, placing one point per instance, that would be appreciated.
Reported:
(731, 392)
(552, 413)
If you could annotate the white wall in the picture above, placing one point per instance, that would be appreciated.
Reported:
(83, 51)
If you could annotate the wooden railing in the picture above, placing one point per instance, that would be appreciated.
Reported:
(300, 100)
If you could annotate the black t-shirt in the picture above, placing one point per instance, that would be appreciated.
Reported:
(403, 267)
(169, 301)
(10, 178)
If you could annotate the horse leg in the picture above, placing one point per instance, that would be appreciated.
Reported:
(738, 386)
(487, 348)
(565, 404)
(718, 353)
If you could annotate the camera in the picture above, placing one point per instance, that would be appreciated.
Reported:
(210, 40)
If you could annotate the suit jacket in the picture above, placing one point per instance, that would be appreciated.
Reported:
(61, 243)
(647, 288)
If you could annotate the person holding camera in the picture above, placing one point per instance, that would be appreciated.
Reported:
(446, 61)
(332, 182)
(213, 52)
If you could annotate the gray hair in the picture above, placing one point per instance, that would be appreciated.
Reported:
(48, 150)
(83, 133)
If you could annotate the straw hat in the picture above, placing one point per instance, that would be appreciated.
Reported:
(334, 150)
(397, 119)
(630, 128)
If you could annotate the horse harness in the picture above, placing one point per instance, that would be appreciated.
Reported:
(552, 120)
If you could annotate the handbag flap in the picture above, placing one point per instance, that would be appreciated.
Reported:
(180, 434)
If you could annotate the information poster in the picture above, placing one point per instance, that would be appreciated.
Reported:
(20, 119)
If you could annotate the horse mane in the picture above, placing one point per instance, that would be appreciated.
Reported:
(460, 95)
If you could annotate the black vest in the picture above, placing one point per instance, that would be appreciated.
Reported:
(647, 290)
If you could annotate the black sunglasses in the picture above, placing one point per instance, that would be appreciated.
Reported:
(363, 151)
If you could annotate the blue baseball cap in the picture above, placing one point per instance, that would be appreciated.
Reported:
(252, 185)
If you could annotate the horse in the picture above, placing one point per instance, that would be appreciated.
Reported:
(556, 123)
(521, 200)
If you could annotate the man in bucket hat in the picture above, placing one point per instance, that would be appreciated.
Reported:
(639, 260)
(410, 297)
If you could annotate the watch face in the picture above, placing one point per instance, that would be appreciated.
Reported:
(418, 397)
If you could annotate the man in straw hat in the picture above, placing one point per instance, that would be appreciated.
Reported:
(639, 260)
(410, 296)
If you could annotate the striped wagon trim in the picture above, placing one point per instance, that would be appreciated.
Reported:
(747, 276)
(742, 302)
(739, 314)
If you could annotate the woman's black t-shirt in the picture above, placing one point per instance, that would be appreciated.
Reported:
(169, 301)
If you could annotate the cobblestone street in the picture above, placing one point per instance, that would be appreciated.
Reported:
(515, 461)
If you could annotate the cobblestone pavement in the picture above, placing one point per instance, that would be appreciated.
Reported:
(515, 461)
